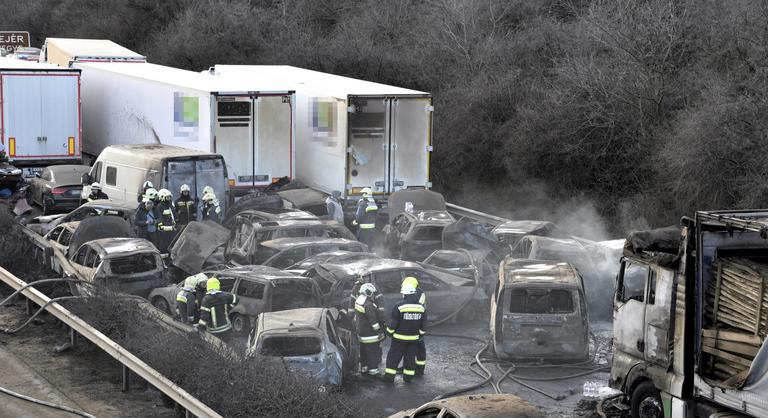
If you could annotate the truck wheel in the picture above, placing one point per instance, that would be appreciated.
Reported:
(646, 401)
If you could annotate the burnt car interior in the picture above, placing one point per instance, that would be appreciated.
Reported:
(291, 345)
(132, 264)
(541, 301)
(292, 294)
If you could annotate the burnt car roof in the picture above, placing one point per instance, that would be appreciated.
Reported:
(487, 406)
(528, 271)
(554, 243)
(431, 216)
(298, 223)
(109, 204)
(280, 213)
(121, 246)
(369, 265)
(525, 227)
(285, 243)
(303, 197)
(255, 273)
(293, 319)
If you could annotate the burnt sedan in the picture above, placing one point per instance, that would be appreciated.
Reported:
(284, 252)
(445, 290)
(58, 187)
(330, 257)
(258, 289)
(413, 236)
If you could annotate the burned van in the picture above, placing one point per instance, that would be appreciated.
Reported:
(539, 312)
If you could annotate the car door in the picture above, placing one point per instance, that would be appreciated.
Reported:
(251, 298)
(629, 308)
(338, 349)
(388, 284)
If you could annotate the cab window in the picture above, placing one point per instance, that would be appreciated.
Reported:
(632, 282)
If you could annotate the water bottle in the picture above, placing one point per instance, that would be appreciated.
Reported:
(587, 389)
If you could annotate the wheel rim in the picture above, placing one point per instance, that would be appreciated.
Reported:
(238, 323)
(650, 407)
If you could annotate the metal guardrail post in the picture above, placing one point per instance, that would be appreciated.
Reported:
(127, 359)
(126, 378)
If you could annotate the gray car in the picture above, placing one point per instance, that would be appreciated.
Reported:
(43, 224)
(58, 187)
(332, 257)
(413, 236)
(284, 252)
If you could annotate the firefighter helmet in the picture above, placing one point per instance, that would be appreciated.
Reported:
(367, 192)
(213, 284)
(367, 289)
(184, 188)
(151, 194)
(96, 186)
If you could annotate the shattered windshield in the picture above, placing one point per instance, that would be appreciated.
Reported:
(290, 346)
(133, 264)
(541, 301)
(198, 173)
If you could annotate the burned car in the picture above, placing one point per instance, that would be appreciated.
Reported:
(126, 265)
(258, 289)
(331, 257)
(306, 341)
(445, 290)
(305, 199)
(413, 236)
(43, 224)
(539, 312)
(268, 214)
(284, 252)
(501, 405)
(511, 232)
(244, 241)
(467, 262)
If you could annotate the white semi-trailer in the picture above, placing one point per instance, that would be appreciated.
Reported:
(249, 123)
(351, 133)
(65, 51)
(40, 118)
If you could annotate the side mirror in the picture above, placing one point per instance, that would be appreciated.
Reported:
(86, 179)
(37, 175)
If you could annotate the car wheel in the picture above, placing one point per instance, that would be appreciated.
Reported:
(240, 324)
(646, 401)
(161, 304)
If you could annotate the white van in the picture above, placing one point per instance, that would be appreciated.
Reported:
(122, 170)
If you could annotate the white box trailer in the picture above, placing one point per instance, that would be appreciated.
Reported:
(65, 51)
(351, 133)
(40, 118)
(142, 103)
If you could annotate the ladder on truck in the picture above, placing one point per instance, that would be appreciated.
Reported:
(745, 220)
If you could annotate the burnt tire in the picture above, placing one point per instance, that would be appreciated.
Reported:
(646, 401)
(161, 304)
(240, 324)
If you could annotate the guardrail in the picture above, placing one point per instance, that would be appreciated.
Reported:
(475, 215)
(128, 360)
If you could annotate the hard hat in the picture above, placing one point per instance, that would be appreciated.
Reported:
(190, 282)
(151, 194)
(201, 279)
(213, 284)
(367, 289)
(164, 193)
(208, 190)
(146, 200)
(367, 192)
(407, 289)
(208, 197)
(184, 188)
(96, 186)
(411, 281)
(148, 185)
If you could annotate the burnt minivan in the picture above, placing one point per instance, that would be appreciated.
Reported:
(539, 312)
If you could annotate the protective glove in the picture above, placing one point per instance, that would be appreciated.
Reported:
(196, 327)
(354, 222)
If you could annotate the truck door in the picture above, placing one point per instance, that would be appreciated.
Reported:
(658, 311)
(60, 122)
(368, 150)
(410, 143)
(234, 138)
(21, 116)
(629, 309)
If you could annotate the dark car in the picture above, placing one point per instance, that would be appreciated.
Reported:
(58, 187)
(445, 290)
(258, 288)
(246, 236)
(466, 262)
(269, 214)
(511, 232)
(413, 236)
(283, 252)
(43, 224)
(329, 257)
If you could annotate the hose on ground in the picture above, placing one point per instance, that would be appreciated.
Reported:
(44, 403)
(39, 282)
(487, 378)
(38, 312)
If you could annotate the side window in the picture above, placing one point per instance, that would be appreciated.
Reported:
(111, 176)
(90, 258)
(227, 283)
(331, 331)
(96, 176)
(652, 287)
(387, 281)
(96, 261)
(66, 236)
(429, 283)
(632, 286)
(80, 256)
(55, 234)
(249, 289)
(289, 257)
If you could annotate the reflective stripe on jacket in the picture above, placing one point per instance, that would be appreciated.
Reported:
(214, 311)
(408, 319)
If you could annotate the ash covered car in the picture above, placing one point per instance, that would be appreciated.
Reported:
(126, 265)
(306, 341)
(331, 257)
(475, 406)
(305, 199)
(246, 236)
(268, 214)
(468, 262)
(511, 232)
(540, 312)
(284, 252)
(445, 290)
(58, 187)
(43, 224)
(413, 236)
(258, 289)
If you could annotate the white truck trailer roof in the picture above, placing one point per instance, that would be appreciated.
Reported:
(65, 51)
(12, 64)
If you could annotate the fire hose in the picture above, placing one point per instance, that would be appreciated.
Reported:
(46, 404)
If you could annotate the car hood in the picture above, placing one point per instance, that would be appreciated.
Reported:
(196, 243)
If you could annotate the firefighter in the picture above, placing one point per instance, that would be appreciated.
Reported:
(143, 192)
(365, 218)
(214, 310)
(187, 305)
(96, 193)
(407, 323)
(167, 226)
(146, 221)
(333, 206)
(421, 351)
(211, 208)
(186, 207)
(369, 330)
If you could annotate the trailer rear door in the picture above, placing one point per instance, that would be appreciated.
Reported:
(41, 116)
(411, 143)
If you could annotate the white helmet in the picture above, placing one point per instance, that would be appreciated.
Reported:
(208, 190)
(164, 193)
(96, 186)
(208, 197)
(367, 289)
(148, 185)
(407, 289)
(184, 188)
(151, 193)
(367, 192)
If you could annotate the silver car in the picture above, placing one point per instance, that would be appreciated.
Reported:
(58, 187)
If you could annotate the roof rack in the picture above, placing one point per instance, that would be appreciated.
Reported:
(748, 220)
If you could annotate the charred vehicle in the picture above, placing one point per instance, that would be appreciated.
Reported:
(43, 224)
(126, 265)
(413, 236)
(475, 406)
(244, 241)
(284, 252)
(445, 290)
(306, 341)
(268, 214)
(511, 232)
(484, 262)
(307, 200)
(258, 289)
(689, 318)
(330, 257)
(539, 312)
